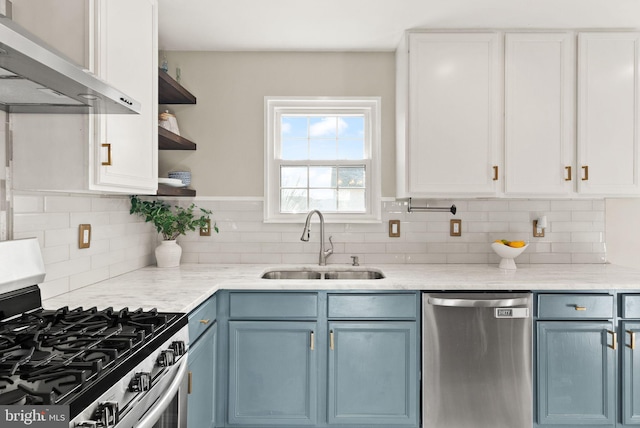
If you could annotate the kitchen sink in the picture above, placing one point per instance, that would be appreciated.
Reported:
(329, 274)
(357, 274)
(291, 274)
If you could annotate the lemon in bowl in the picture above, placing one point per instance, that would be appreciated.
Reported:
(508, 251)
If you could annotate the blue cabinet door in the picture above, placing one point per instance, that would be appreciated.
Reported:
(373, 377)
(576, 373)
(630, 372)
(202, 381)
(272, 373)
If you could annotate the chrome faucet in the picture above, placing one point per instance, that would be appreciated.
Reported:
(324, 254)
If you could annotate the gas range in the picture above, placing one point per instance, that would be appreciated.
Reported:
(111, 367)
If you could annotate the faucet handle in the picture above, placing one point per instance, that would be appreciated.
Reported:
(330, 250)
(355, 261)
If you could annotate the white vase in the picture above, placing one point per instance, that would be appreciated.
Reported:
(168, 254)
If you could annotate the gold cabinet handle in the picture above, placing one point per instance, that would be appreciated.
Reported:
(495, 173)
(585, 172)
(580, 308)
(108, 147)
(331, 342)
(204, 322)
(190, 384)
(568, 177)
(313, 341)
(614, 340)
(632, 341)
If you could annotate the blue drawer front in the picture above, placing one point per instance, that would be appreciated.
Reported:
(202, 318)
(274, 305)
(367, 306)
(575, 306)
(631, 306)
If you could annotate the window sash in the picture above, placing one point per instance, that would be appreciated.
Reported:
(368, 108)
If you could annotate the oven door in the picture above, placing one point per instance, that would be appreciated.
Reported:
(164, 405)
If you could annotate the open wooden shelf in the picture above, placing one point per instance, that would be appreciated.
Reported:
(167, 140)
(164, 190)
(171, 92)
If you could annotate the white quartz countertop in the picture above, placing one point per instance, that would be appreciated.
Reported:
(183, 289)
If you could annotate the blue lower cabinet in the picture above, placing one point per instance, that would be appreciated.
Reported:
(630, 373)
(576, 373)
(272, 373)
(372, 373)
(202, 380)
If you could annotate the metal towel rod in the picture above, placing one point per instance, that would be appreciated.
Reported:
(452, 209)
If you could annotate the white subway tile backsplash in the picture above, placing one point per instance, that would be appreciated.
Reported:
(121, 242)
(244, 238)
(37, 222)
(529, 205)
(28, 204)
(488, 206)
(572, 205)
(66, 204)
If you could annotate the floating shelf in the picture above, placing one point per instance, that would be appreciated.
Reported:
(167, 140)
(164, 190)
(171, 92)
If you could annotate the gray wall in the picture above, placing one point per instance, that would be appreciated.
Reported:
(227, 123)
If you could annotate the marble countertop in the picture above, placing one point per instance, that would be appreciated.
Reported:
(183, 289)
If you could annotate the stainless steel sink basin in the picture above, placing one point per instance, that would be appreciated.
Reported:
(357, 274)
(292, 274)
(313, 274)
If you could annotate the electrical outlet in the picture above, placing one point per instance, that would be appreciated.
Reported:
(394, 228)
(206, 231)
(538, 232)
(455, 227)
(84, 236)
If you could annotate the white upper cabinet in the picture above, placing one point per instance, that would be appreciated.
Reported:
(116, 40)
(546, 140)
(539, 114)
(608, 113)
(127, 58)
(453, 134)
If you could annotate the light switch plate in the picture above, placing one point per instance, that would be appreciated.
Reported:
(455, 227)
(84, 236)
(394, 228)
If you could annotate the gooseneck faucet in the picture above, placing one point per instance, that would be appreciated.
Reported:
(324, 254)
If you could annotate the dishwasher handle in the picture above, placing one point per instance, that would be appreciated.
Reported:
(478, 303)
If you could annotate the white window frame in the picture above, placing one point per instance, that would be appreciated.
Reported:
(276, 107)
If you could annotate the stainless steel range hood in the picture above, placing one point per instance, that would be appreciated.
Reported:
(34, 78)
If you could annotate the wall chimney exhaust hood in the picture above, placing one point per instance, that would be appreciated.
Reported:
(34, 78)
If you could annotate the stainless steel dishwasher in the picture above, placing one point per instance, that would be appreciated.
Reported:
(476, 360)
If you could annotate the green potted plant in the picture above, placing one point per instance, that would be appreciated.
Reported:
(171, 222)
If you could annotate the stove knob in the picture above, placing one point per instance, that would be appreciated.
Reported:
(166, 358)
(108, 414)
(140, 382)
(179, 348)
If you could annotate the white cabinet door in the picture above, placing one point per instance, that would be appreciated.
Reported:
(454, 115)
(539, 113)
(608, 113)
(127, 58)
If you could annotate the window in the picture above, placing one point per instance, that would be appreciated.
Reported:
(322, 154)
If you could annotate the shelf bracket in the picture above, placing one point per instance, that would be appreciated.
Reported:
(452, 209)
